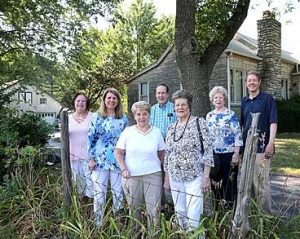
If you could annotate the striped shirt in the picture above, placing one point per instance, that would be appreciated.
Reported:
(162, 117)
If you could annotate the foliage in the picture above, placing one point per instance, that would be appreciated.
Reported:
(33, 32)
(26, 129)
(41, 26)
(285, 109)
(31, 207)
(143, 36)
(18, 131)
(106, 58)
(31, 199)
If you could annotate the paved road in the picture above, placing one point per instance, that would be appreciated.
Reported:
(285, 191)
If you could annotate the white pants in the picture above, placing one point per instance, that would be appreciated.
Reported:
(188, 202)
(100, 180)
(81, 176)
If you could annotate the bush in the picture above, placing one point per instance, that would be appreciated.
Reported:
(289, 115)
(18, 132)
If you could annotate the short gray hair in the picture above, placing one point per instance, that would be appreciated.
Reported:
(216, 90)
(143, 105)
(183, 94)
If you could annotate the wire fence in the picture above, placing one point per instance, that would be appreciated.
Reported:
(210, 202)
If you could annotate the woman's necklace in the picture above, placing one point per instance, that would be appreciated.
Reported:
(80, 119)
(176, 140)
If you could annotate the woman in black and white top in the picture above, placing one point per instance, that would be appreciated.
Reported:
(187, 164)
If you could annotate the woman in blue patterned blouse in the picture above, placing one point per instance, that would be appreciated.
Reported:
(225, 132)
(104, 132)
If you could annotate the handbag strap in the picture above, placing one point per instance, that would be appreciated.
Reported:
(200, 135)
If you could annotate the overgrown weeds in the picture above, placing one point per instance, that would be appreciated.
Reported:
(31, 207)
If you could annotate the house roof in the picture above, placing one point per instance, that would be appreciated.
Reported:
(247, 46)
(150, 67)
(10, 84)
(240, 45)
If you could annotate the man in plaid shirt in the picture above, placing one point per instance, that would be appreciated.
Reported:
(162, 113)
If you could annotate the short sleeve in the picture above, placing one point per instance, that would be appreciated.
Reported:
(121, 144)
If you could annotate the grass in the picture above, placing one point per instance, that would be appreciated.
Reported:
(287, 157)
(31, 206)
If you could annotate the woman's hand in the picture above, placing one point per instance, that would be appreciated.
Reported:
(166, 182)
(235, 159)
(92, 164)
(205, 185)
(125, 173)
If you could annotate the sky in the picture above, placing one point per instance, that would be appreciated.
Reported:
(290, 22)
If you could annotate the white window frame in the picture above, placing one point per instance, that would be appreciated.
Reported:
(145, 96)
(25, 96)
(234, 99)
(285, 88)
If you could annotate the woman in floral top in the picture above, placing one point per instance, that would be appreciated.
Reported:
(104, 132)
(187, 167)
(226, 137)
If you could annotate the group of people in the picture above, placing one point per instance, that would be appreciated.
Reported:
(168, 148)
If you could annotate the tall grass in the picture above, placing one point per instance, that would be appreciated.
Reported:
(30, 199)
(31, 207)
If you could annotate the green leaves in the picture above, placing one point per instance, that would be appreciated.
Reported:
(101, 59)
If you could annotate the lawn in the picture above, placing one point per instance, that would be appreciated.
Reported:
(287, 157)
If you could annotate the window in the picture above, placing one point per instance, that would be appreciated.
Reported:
(43, 101)
(144, 92)
(237, 86)
(25, 97)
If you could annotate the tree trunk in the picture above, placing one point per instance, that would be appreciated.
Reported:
(194, 77)
(240, 224)
(195, 69)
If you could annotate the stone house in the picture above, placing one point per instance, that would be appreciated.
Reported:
(29, 98)
(279, 70)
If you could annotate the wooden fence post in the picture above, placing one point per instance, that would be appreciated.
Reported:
(240, 223)
(65, 162)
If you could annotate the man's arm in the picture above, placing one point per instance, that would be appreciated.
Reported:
(270, 147)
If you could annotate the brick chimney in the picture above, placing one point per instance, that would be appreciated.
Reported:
(269, 49)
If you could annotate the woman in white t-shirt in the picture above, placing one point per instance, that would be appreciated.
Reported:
(139, 153)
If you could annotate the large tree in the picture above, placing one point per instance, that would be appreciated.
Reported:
(142, 34)
(105, 58)
(198, 49)
(33, 34)
(41, 26)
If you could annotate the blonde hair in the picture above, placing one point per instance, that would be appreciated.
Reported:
(119, 107)
(216, 90)
(143, 105)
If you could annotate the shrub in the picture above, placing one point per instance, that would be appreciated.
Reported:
(289, 115)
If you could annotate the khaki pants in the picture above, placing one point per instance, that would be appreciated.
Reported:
(261, 183)
(144, 190)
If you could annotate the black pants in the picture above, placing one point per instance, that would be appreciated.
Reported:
(225, 188)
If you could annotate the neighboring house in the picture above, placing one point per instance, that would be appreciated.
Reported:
(30, 99)
(280, 71)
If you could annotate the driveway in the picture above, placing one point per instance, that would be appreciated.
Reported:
(285, 191)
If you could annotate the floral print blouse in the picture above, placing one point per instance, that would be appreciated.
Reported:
(102, 138)
(225, 131)
(184, 161)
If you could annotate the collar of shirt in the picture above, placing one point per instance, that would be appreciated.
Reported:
(163, 106)
(255, 97)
